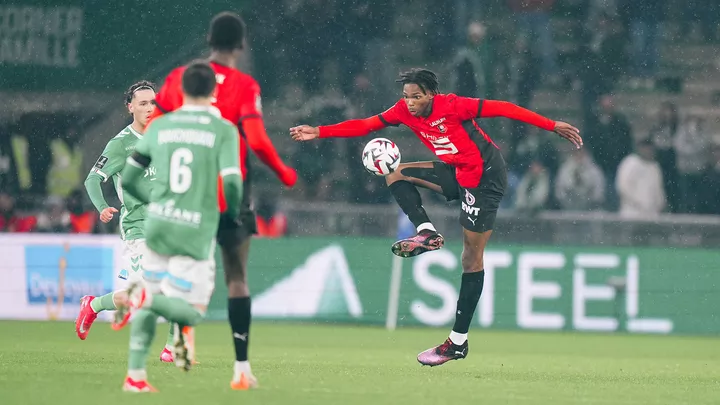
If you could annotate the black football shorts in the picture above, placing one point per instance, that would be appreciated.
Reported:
(478, 205)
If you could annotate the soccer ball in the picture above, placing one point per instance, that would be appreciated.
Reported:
(381, 156)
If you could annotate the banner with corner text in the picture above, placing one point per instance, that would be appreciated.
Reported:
(84, 45)
(348, 280)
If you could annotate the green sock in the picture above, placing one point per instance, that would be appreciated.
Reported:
(142, 332)
(171, 335)
(103, 303)
(175, 310)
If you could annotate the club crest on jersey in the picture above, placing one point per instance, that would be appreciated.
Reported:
(442, 128)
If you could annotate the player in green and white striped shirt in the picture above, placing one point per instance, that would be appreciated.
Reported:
(139, 101)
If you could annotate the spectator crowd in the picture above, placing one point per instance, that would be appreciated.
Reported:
(349, 51)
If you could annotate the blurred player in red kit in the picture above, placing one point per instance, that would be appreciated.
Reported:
(471, 168)
(238, 100)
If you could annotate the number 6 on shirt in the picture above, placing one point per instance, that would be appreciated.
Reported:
(180, 173)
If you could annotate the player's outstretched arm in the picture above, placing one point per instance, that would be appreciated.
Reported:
(345, 129)
(132, 174)
(495, 108)
(262, 146)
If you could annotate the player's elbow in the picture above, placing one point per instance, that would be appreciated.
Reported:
(255, 133)
(255, 144)
(91, 181)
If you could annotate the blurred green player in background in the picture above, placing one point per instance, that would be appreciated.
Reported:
(139, 102)
(190, 148)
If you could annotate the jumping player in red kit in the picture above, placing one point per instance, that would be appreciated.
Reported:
(238, 100)
(471, 168)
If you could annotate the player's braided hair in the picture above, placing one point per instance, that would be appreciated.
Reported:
(141, 85)
(227, 32)
(425, 79)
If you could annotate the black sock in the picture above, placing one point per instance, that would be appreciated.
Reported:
(470, 291)
(239, 314)
(408, 198)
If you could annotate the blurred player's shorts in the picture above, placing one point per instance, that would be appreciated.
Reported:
(133, 258)
(180, 276)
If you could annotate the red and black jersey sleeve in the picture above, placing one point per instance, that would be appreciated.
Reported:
(467, 108)
(495, 108)
(351, 128)
(250, 102)
(393, 115)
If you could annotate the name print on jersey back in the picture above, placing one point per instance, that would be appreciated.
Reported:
(189, 148)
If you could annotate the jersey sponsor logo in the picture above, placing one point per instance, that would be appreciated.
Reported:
(470, 209)
(469, 197)
(258, 103)
(102, 160)
(169, 212)
(467, 205)
(438, 124)
(151, 172)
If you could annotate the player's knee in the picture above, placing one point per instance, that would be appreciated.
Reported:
(472, 259)
(235, 273)
(120, 298)
(397, 175)
(196, 316)
(146, 321)
(394, 176)
(238, 290)
(234, 269)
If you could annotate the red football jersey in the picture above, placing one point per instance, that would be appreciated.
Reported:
(237, 97)
(449, 131)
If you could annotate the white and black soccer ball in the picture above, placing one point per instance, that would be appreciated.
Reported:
(381, 156)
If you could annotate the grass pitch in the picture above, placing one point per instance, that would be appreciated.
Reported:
(45, 363)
